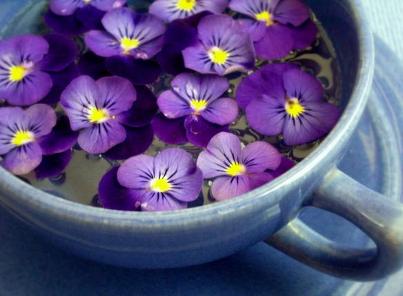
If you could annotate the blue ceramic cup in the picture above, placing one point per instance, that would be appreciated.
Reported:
(198, 235)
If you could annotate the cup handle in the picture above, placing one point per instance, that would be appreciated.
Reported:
(380, 218)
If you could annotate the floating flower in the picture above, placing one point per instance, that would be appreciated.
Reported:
(167, 182)
(236, 170)
(277, 26)
(169, 10)
(198, 98)
(26, 63)
(223, 47)
(68, 7)
(94, 108)
(285, 165)
(127, 34)
(20, 133)
(283, 99)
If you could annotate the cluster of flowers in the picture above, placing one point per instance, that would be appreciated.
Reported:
(56, 99)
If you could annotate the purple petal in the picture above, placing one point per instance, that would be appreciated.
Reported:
(256, 30)
(188, 187)
(260, 156)
(136, 172)
(62, 52)
(170, 131)
(139, 72)
(316, 122)
(222, 148)
(222, 111)
(82, 91)
(102, 43)
(65, 7)
(224, 188)
(266, 116)
(24, 159)
(107, 5)
(137, 141)
(143, 109)
(9, 116)
(277, 43)
(99, 138)
(173, 106)
(117, 94)
(252, 7)
(53, 165)
(259, 179)
(114, 196)
(90, 17)
(152, 202)
(304, 86)
(40, 118)
(92, 65)
(66, 25)
(186, 31)
(199, 131)
(175, 162)
(305, 35)
(195, 58)
(32, 47)
(61, 138)
(119, 22)
(293, 12)
(285, 165)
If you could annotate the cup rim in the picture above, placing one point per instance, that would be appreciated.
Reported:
(13, 186)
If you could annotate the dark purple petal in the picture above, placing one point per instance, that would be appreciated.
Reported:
(65, 7)
(90, 17)
(114, 196)
(170, 131)
(40, 119)
(277, 43)
(139, 72)
(266, 116)
(107, 5)
(293, 12)
(222, 111)
(61, 138)
(136, 172)
(62, 52)
(305, 35)
(143, 109)
(224, 188)
(171, 61)
(102, 43)
(137, 141)
(53, 165)
(67, 25)
(99, 138)
(260, 156)
(173, 106)
(92, 65)
(23, 159)
(259, 179)
(285, 165)
(304, 86)
(116, 94)
(222, 150)
(199, 131)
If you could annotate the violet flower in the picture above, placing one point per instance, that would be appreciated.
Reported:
(282, 99)
(68, 7)
(236, 170)
(94, 108)
(165, 182)
(223, 47)
(20, 133)
(169, 10)
(276, 26)
(198, 99)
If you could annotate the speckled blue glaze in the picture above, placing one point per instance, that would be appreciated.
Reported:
(198, 235)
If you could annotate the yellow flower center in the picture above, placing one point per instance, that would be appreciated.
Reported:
(218, 55)
(22, 137)
(17, 73)
(97, 116)
(294, 108)
(186, 5)
(160, 185)
(266, 17)
(236, 169)
(198, 105)
(127, 44)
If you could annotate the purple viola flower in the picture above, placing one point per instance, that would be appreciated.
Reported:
(223, 47)
(20, 133)
(283, 99)
(276, 26)
(285, 165)
(27, 64)
(127, 34)
(166, 182)
(68, 7)
(94, 108)
(169, 10)
(198, 99)
(236, 170)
